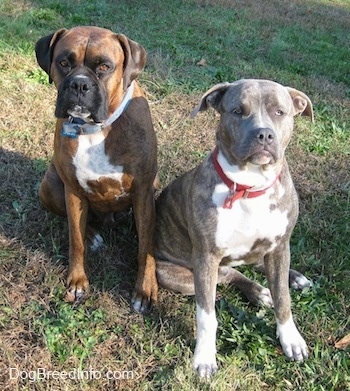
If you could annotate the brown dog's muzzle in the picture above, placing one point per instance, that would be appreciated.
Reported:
(82, 95)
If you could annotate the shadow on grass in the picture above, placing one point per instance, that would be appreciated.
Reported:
(26, 225)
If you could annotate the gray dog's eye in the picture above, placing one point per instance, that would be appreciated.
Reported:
(279, 113)
(237, 110)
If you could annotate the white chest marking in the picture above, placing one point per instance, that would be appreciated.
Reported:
(92, 162)
(249, 219)
(246, 222)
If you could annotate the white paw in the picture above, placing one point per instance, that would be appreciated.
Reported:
(96, 242)
(265, 298)
(205, 364)
(298, 281)
(136, 305)
(205, 352)
(301, 282)
(140, 304)
(293, 344)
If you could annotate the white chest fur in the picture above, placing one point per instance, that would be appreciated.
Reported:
(248, 221)
(91, 161)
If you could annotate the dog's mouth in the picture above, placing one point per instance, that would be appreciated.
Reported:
(82, 97)
(261, 158)
(259, 155)
(82, 113)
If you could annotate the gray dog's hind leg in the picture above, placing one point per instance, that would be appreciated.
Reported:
(253, 291)
(180, 279)
(296, 280)
(175, 278)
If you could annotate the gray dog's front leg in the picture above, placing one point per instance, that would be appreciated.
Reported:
(277, 272)
(205, 278)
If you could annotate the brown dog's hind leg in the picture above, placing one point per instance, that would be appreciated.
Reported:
(146, 286)
(51, 192)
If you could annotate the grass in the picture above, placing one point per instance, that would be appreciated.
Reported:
(191, 45)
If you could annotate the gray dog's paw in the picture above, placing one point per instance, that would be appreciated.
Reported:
(265, 298)
(298, 281)
(205, 361)
(206, 371)
(258, 295)
(293, 344)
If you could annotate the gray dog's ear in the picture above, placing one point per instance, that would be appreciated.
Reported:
(44, 50)
(135, 59)
(302, 103)
(211, 98)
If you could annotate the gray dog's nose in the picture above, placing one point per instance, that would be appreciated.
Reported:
(265, 136)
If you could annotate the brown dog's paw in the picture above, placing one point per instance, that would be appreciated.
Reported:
(141, 303)
(75, 296)
(145, 294)
(77, 290)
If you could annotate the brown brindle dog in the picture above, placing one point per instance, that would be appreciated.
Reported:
(104, 149)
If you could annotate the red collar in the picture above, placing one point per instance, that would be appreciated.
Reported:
(237, 191)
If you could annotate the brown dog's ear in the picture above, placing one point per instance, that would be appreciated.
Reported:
(302, 103)
(135, 59)
(211, 98)
(44, 50)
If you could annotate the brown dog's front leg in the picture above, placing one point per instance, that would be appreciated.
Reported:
(77, 281)
(277, 272)
(146, 287)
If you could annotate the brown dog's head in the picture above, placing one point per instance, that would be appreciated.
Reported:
(91, 68)
(256, 119)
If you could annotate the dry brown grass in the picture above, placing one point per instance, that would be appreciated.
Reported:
(34, 243)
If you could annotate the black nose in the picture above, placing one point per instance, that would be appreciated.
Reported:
(265, 136)
(80, 85)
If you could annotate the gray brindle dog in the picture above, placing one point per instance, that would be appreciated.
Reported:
(239, 206)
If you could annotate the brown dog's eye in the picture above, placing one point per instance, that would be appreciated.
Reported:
(103, 68)
(64, 63)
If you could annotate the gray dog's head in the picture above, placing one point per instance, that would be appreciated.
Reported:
(257, 119)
